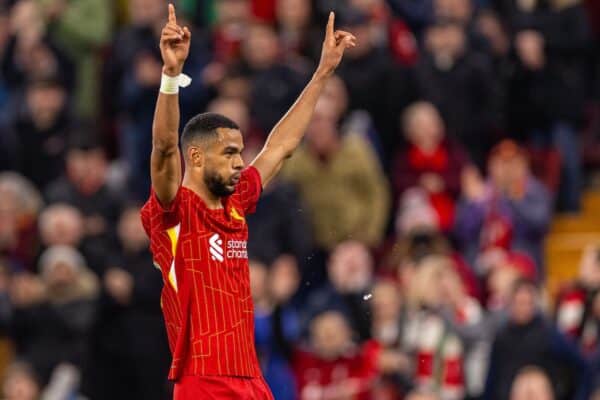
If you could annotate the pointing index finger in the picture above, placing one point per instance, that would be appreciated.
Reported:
(172, 17)
(330, 22)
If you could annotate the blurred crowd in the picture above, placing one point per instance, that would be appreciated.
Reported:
(399, 255)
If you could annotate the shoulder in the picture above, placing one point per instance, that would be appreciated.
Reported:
(358, 149)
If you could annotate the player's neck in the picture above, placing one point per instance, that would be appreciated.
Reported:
(197, 186)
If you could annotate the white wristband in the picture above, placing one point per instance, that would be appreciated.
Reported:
(171, 84)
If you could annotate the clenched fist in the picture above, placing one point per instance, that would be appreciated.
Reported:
(334, 45)
(174, 45)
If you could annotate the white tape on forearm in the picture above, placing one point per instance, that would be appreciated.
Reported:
(171, 84)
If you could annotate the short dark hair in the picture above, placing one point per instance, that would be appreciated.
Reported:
(204, 126)
(524, 283)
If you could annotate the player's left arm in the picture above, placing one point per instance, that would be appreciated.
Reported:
(287, 134)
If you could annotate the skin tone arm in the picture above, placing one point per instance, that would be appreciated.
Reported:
(287, 134)
(165, 161)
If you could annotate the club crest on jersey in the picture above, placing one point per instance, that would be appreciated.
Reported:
(235, 215)
(235, 248)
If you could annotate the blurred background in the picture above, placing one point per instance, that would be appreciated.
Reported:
(437, 235)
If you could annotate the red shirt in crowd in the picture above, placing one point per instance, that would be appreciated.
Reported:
(352, 374)
(206, 299)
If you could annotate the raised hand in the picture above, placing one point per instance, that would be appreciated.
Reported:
(174, 44)
(334, 45)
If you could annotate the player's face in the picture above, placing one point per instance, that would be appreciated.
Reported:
(224, 164)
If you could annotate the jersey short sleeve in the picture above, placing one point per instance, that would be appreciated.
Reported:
(156, 216)
(249, 189)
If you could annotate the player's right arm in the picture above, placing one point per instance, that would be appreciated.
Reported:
(165, 161)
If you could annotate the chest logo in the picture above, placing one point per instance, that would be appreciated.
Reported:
(215, 244)
(235, 215)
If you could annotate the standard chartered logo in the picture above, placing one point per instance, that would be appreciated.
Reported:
(216, 247)
(235, 248)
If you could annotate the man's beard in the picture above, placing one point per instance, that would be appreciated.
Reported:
(216, 184)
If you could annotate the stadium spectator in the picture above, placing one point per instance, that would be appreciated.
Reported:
(431, 162)
(422, 395)
(35, 137)
(365, 71)
(531, 383)
(511, 211)
(123, 368)
(460, 82)
(334, 365)
(60, 224)
(280, 226)
(80, 29)
(577, 306)
(528, 338)
(19, 209)
(63, 224)
(53, 312)
(274, 83)
(20, 382)
(30, 54)
(547, 91)
(394, 364)
(277, 324)
(320, 169)
(296, 30)
(350, 272)
(419, 241)
(84, 185)
(433, 344)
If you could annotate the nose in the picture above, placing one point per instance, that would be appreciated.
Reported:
(238, 162)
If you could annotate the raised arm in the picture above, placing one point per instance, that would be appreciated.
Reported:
(165, 161)
(287, 134)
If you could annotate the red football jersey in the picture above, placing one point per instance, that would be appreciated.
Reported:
(206, 299)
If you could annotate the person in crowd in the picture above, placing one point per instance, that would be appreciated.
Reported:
(500, 270)
(422, 395)
(297, 30)
(547, 90)
(460, 83)
(274, 84)
(353, 122)
(84, 185)
(416, 241)
(19, 210)
(30, 53)
(528, 338)
(80, 30)
(431, 162)
(54, 311)
(60, 224)
(123, 368)
(34, 138)
(388, 318)
(339, 211)
(350, 272)
(333, 365)
(369, 75)
(577, 305)
(532, 383)
(512, 210)
(432, 343)
(276, 323)
(20, 382)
